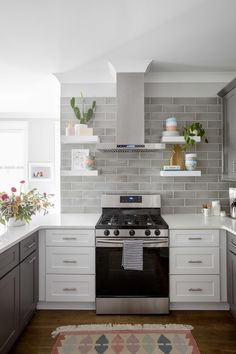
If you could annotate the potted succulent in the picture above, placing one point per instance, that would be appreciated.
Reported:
(16, 209)
(82, 115)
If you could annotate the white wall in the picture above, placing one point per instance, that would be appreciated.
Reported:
(41, 148)
(33, 95)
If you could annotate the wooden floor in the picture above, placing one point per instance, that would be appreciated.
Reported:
(214, 331)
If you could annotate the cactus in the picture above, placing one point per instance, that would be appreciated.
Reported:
(83, 116)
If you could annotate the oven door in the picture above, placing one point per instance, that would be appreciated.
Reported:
(113, 281)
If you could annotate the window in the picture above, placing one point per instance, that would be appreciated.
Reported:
(13, 153)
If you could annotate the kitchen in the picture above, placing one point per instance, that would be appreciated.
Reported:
(68, 264)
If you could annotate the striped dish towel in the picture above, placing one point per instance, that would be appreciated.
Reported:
(132, 256)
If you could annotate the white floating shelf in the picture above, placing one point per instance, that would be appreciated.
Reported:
(180, 173)
(88, 139)
(79, 173)
(177, 139)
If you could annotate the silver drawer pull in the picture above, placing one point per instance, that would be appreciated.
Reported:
(31, 245)
(69, 289)
(67, 261)
(195, 238)
(196, 289)
(32, 260)
(69, 238)
(195, 262)
(233, 243)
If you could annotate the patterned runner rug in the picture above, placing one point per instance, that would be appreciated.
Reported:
(125, 339)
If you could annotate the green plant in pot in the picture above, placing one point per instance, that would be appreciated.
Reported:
(189, 132)
(83, 115)
(190, 160)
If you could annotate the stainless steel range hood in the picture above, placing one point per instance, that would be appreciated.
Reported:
(130, 113)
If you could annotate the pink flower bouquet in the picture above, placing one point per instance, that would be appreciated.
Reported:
(23, 205)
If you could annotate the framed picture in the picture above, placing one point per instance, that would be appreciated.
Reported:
(77, 158)
(40, 171)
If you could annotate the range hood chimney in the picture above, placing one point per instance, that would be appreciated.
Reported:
(130, 109)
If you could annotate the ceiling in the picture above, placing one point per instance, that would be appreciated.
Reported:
(77, 38)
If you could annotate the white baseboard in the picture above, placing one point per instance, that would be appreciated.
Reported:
(42, 305)
(222, 306)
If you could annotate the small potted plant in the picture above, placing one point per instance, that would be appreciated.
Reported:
(16, 209)
(189, 132)
(82, 115)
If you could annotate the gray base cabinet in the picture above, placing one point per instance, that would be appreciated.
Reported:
(18, 289)
(232, 273)
(9, 309)
(28, 288)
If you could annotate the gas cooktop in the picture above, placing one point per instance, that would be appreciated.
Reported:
(122, 218)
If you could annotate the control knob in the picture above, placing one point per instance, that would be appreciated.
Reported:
(131, 232)
(106, 232)
(157, 232)
(147, 232)
(116, 232)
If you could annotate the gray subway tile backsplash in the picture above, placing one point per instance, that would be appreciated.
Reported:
(140, 172)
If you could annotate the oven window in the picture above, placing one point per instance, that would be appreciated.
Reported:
(113, 281)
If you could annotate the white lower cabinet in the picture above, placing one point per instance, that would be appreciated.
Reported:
(197, 288)
(69, 271)
(74, 288)
(195, 260)
(70, 260)
(195, 266)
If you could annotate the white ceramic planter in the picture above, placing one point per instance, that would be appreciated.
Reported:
(13, 222)
(191, 162)
(78, 126)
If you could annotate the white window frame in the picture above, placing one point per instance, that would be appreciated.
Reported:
(16, 126)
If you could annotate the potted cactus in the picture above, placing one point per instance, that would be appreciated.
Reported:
(82, 115)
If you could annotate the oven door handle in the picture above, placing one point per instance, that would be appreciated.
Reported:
(109, 243)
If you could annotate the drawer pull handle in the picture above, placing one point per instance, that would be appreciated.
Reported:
(67, 261)
(69, 289)
(31, 245)
(233, 243)
(195, 262)
(70, 238)
(195, 289)
(195, 238)
(32, 260)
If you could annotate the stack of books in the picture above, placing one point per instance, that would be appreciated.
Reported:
(171, 168)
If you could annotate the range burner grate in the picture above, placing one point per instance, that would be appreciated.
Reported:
(123, 218)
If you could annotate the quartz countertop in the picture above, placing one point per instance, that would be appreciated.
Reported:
(199, 221)
(9, 236)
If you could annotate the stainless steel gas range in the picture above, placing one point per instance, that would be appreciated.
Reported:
(121, 291)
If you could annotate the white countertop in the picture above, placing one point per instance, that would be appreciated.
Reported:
(199, 221)
(9, 236)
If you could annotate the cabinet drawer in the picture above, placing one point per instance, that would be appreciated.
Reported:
(70, 288)
(8, 260)
(82, 238)
(188, 238)
(28, 246)
(194, 288)
(196, 260)
(70, 260)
